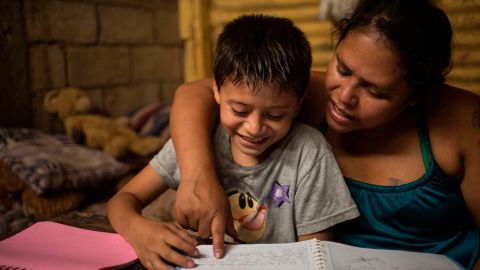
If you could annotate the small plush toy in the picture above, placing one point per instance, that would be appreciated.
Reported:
(67, 102)
(95, 130)
(105, 133)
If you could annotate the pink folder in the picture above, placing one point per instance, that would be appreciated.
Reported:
(50, 245)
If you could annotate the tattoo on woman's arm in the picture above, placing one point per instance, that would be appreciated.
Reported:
(395, 181)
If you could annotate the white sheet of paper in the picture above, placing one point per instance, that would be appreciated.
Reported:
(319, 255)
(256, 257)
(345, 257)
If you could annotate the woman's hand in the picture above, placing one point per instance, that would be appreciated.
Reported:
(159, 244)
(202, 206)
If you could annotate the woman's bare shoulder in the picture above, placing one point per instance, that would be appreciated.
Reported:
(454, 109)
(453, 100)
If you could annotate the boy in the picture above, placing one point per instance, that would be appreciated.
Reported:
(281, 177)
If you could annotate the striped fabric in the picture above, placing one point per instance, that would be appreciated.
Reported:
(50, 164)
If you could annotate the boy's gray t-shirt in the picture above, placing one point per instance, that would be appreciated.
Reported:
(297, 190)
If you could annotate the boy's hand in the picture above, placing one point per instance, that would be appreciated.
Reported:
(158, 244)
(204, 207)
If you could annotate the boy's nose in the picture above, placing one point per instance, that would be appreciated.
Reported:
(254, 126)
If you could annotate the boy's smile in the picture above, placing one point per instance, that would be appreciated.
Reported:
(254, 120)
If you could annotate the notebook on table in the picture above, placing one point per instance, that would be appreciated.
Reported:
(50, 245)
(318, 255)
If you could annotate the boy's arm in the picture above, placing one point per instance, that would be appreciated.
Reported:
(153, 241)
(201, 203)
(323, 235)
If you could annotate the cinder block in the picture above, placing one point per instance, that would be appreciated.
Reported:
(121, 100)
(125, 25)
(170, 5)
(98, 66)
(47, 67)
(168, 90)
(166, 26)
(60, 21)
(96, 95)
(36, 19)
(151, 64)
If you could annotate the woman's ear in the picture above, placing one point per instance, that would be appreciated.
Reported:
(413, 100)
(216, 92)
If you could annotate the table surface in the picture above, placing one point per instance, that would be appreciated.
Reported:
(84, 220)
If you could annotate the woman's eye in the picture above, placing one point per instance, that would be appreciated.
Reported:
(342, 71)
(374, 93)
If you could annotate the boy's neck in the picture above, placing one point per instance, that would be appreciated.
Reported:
(247, 160)
(250, 161)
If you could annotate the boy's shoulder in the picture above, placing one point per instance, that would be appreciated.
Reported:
(306, 137)
(303, 148)
(308, 132)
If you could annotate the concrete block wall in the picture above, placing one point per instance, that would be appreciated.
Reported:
(125, 53)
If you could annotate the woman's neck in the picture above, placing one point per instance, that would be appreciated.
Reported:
(391, 128)
(381, 139)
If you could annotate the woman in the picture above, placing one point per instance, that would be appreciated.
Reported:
(407, 144)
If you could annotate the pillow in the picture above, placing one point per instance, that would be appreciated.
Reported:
(50, 163)
(150, 119)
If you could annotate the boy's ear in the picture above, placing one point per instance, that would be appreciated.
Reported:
(216, 93)
(299, 103)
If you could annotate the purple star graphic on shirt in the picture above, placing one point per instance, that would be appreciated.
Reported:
(279, 194)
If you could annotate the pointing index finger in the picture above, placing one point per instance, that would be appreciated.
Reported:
(218, 231)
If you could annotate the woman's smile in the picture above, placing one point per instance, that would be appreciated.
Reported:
(338, 115)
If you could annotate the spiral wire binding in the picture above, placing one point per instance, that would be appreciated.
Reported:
(319, 254)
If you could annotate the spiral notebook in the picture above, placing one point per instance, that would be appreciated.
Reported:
(321, 255)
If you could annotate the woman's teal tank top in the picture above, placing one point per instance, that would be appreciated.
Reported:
(427, 215)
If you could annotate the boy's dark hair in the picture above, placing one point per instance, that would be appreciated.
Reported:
(263, 50)
(418, 31)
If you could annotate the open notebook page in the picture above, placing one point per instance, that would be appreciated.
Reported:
(318, 255)
(347, 257)
(288, 256)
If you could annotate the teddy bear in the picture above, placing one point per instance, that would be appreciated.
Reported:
(98, 131)
(67, 102)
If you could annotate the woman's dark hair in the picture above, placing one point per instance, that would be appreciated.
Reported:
(418, 31)
(263, 50)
